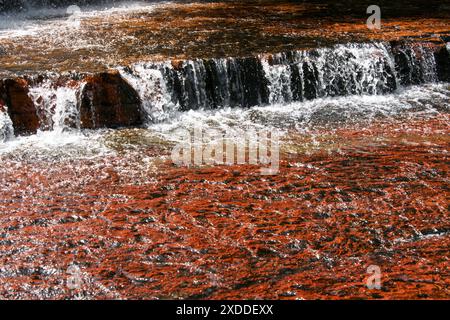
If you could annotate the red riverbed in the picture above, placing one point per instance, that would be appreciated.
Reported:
(228, 233)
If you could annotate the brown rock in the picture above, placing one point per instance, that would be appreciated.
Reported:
(109, 101)
(443, 63)
(177, 64)
(14, 94)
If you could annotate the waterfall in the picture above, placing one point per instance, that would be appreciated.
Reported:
(416, 65)
(341, 70)
(148, 81)
(350, 69)
(279, 78)
(159, 90)
(196, 84)
(57, 107)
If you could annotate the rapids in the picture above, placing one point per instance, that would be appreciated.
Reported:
(343, 85)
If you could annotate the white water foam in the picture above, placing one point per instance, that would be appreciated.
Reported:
(149, 82)
(56, 145)
(58, 108)
(6, 126)
(279, 78)
(53, 21)
(414, 102)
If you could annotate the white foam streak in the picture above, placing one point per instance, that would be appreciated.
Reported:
(279, 78)
(149, 82)
(6, 126)
(57, 145)
(58, 108)
(416, 101)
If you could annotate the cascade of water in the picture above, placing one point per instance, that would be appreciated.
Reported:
(67, 113)
(58, 108)
(415, 65)
(341, 70)
(165, 88)
(150, 83)
(351, 69)
(279, 77)
(196, 84)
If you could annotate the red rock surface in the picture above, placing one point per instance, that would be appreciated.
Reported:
(372, 196)
(109, 101)
(14, 94)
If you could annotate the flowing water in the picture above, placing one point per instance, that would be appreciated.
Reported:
(364, 176)
(56, 20)
(345, 85)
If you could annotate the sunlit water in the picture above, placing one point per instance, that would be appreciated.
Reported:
(53, 21)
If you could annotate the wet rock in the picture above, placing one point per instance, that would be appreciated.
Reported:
(215, 83)
(211, 83)
(297, 245)
(254, 82)
(107, 100)
(288, 294)
(266, 252)
(296, 83)
(147, 220)
(177, 64)
(443, 63)
(413, 62)
(14, 94)
(322, 215)
(408, 71)
(311, 78)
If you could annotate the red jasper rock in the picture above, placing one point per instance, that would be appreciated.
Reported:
(14, 94)
(109, 101)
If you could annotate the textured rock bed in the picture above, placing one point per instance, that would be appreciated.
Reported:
(377, 196)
